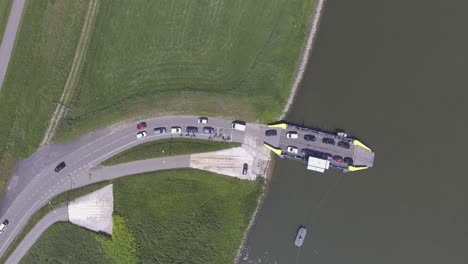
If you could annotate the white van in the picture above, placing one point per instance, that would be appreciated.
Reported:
(4, 225)
(176, 129)
(238, 125)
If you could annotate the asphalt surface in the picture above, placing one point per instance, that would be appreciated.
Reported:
(9, 35)
(35, 182)
(59, 214)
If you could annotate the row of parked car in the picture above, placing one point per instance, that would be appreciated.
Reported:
(327, 156)
(237, 125)
(308, 137)
(175, 129)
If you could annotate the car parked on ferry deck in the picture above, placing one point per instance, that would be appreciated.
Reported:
(309, 138)
(338, 158)
(292, 134)
(292, 149)
(344, 144)
(348, 160)
(328, 141)
(327, 156)
(271, 132)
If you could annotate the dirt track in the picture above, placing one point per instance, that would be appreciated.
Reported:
(73, 77)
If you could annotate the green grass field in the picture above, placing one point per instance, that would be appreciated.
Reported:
(177, 216)
(168, 147)
(217, 58)
(38, 69)
(5, 6)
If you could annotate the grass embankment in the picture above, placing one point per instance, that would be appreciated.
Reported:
(217, 58)
(5, 6)
(178, 216)
(168, 147)
(38, 70)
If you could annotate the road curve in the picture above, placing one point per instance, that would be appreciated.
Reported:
(82, 157)
(103, 173)
(59, 214)
(9, 36)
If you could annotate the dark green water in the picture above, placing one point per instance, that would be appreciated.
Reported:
(396, 76)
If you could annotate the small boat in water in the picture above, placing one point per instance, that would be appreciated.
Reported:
(301, 233)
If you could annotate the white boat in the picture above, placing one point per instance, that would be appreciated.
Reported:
(300, 236)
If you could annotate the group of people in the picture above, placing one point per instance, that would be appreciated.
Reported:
(225, 138)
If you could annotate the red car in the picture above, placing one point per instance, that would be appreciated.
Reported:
(338, 159)
(141, 125)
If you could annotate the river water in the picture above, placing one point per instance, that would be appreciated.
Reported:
(395, 76)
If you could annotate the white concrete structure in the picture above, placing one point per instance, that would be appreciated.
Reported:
(94, 211)
(228, 162)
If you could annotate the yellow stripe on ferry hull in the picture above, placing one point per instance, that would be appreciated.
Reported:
(359, 143)
(352, 168)
(280, 125)
(275, 150)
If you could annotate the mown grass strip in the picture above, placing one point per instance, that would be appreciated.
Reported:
(168, 147)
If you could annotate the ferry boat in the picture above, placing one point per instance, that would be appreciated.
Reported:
(318, 149)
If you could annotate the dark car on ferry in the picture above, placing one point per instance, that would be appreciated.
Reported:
(327, 156)
(328, 141)
(344, 144)
(307, 152)
(309, 137)
(270, 132)
(348, 160)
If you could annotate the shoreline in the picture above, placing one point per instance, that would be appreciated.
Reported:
(311, 35)
(261, 199)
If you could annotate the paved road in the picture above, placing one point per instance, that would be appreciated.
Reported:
(9, 35)
(82, 156)
(100, 174)
(57, 215)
